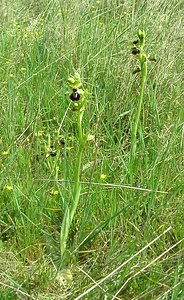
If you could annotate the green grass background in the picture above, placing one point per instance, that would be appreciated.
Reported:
(42, 43)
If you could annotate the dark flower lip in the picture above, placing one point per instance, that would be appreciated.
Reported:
(135, 42)
(135, 51)
(52, 153)
(75, 96)
(152, 59)
(136, 71)
(62, 142)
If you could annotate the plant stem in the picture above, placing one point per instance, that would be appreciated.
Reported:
(135, 128)
(70, 211)
(77, 186)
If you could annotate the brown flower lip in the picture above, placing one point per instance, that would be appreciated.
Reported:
(135, 42)
(75, 96)
(136, 71)
(52, 153)
(152, 59)
(135, 51)
(62, 142)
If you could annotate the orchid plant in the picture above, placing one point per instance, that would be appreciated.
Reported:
(79, 99)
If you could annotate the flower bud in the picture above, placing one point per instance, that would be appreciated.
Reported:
(71, 80)
(141, 36)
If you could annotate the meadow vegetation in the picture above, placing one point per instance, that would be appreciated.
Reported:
(43, 43)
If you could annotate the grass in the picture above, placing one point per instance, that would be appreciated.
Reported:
(42, 44)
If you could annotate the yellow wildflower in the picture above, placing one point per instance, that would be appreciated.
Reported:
(103, 176)
(54, 192)
(9, 187)
(39, 133)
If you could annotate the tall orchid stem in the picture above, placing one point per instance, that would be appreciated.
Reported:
(71, 209)
(143, 64)
(137, 117)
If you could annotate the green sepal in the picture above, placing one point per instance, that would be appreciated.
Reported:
(75, 81)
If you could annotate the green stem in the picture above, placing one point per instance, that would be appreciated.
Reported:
(135, 128)
(70, 211)
(79, 124)
(77, 186)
